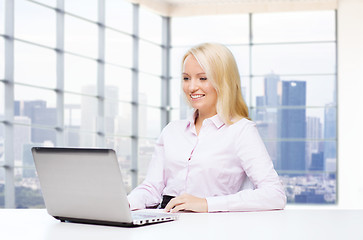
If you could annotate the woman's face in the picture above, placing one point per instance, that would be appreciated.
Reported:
(197, 88)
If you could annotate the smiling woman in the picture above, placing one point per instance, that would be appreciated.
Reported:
(206, 163)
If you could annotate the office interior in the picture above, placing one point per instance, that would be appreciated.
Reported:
(106, 73)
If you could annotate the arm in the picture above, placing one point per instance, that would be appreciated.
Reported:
(148, 193)
(268, 194)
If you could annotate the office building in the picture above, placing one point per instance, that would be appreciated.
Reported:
(293, 126)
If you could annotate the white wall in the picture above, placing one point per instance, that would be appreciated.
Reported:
(350, 104)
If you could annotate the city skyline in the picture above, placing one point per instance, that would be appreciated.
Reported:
(274, 115)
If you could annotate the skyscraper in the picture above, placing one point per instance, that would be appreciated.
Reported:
(313, 131)
(269, 114)
(272, 97)
(293, 125)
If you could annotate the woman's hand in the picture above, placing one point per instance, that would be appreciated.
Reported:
(187, 202)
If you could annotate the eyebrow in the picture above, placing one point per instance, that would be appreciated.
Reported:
(201, 73)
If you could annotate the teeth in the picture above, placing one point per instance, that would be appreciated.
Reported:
(196, 96)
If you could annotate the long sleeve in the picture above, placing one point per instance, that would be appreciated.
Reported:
(149, 192)
(268, 192)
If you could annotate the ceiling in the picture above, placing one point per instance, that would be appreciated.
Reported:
(211, 7)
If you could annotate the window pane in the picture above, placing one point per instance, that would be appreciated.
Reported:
(119, 15)
(2, 58)
(34, 65)
(176, 57)
(150, 26)
(80, 75)
(35, 106)
(311, 188)
(294, 59)
(118, 118)
(118, 48)
(120, 80)
(175, 114)
(149, 122)
(149, 90)
(27, 188)
(2, 187)
(226, 29)
(176, 94)
(146, 149)
(2, 101)
(74, 138)
(2, 137)
(26, 137)
(34, 23)
(122, 146)
(241, 55)
(2, 16)
(81, 112)
(294, 26)
(150, 58)
(80, 36)
(23, 139)
(267, 90)
(83, 8)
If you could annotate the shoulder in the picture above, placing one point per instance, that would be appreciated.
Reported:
(176, 125)
(243, 125)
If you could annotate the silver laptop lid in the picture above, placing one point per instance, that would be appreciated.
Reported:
(82, 183)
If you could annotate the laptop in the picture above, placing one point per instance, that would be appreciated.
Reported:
(84, 185)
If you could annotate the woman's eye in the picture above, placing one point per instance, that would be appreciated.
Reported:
(185, 78)
(203, 79)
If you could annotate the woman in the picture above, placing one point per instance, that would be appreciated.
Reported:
(204, 164)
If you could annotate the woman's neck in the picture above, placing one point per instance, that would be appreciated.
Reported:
(200, 117)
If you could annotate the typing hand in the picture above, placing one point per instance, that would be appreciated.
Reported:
(187, 202)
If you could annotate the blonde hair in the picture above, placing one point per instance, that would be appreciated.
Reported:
(221, 69)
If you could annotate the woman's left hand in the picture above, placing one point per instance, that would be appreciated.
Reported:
(187, 202)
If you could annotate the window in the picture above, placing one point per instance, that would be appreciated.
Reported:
(73, 76)
(57, 98)
(292, 61)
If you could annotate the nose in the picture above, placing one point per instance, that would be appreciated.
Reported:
(193, 85)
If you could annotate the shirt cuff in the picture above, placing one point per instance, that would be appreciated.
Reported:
(134, 204)
(218, 204)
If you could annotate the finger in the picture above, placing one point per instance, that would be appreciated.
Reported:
(178, 208)
(172, 203)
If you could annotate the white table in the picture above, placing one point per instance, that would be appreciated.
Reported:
(287, 224)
